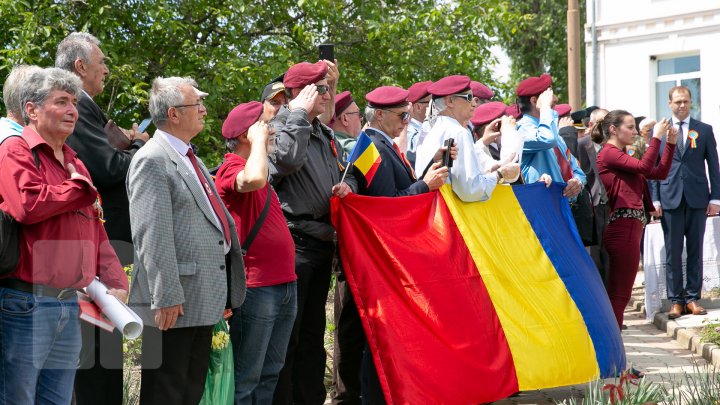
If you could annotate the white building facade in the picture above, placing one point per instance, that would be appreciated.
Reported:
(636, 50)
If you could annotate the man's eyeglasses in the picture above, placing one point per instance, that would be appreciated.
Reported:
(200, 103)
(404, 116)
(322, 89)
(422, 102)
(467, 97)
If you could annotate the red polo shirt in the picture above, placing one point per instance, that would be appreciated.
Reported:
(271, 257)
(62, 242)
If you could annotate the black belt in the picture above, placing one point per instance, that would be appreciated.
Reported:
(38, 289)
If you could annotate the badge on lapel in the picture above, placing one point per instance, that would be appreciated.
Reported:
(693, 135)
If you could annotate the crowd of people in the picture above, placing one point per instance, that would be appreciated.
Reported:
(254, 242)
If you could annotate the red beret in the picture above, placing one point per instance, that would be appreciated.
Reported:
(418, 91)
(532, 86)
(513, 110)
(241, 118)
(304, 73)
(387, 96)
(449, 85)
(342, 102)
(562, 109)
(487, 112)
(481, 91)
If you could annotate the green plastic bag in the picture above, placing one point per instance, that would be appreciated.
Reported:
(220, 382)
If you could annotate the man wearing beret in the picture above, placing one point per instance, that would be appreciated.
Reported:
(387, 114)
(260, 329)
(544, 149)
(453, 106)
(481, 93)
(566, 127)
(419, 99)
(305, 170)
(490, 125)
(347, 122)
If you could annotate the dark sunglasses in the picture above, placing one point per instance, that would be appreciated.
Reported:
(322, 88)
(468, 97)
(404, 116)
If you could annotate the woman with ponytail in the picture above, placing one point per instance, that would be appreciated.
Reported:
(625, 180)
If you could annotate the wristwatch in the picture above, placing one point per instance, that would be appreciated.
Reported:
(500, 178)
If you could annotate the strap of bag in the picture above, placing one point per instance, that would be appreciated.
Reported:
(34, 152)
(258, 224)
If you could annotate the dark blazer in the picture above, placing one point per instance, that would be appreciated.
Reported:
(687, 174)
(587, 159)
(393, 178)
(108, 167)
(569, 135)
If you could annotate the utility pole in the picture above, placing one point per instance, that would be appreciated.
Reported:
(573, 54)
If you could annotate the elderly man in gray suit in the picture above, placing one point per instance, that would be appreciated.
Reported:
(188, 263)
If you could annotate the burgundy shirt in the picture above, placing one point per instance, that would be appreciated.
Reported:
(271, 257)
(62, 242)
(625, 177)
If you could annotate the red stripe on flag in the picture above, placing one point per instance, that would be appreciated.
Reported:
(406, 261)
(371, 172)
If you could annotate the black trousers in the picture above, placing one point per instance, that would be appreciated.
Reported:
(174, 365)
(349, 346)
(301, 380)
(100, 376)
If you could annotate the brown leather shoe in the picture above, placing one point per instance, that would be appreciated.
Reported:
(695, 308)
(676, 311)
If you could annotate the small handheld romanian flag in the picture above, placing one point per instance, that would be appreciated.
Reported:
(366, 157)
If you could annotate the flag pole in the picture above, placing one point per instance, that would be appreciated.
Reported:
(346, 170)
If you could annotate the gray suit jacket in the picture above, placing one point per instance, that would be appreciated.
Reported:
(179, 254)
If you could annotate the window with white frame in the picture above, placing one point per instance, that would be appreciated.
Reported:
(677, 71)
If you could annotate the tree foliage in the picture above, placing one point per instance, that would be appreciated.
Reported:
(234, 47)
(536, 41)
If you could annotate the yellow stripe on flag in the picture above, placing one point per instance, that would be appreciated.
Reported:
(365, 161)
(546, 333)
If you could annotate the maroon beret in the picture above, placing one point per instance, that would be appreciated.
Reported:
(304, 73)
(387, 96)
(241, 118)
(487, 112)
(449, 85)
(418, 91)
(532, 86)
(562, 109)
(342, 102)
(481, 91)
(513, 110)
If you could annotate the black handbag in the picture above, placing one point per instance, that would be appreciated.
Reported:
(9, 228)
(583, 212)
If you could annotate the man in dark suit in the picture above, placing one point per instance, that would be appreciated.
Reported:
(587, 151)
(387, 114)
(100, 377)
(684, 199)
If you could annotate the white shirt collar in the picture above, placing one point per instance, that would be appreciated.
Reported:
(180, 147)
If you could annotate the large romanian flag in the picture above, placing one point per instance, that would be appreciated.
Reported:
(465, 303)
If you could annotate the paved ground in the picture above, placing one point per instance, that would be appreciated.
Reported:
(647, 348)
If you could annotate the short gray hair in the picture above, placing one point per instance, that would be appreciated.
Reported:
(39, 85)
(232, 144)
(370, 113)
(13, 86)
(164, 94)
(77, 45)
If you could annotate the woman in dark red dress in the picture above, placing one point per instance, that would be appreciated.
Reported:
(625, 180)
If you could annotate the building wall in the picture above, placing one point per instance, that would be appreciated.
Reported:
(633, 34)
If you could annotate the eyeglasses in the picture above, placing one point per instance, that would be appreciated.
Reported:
(322, 89)
(467, 97)
(404, 116)
(200, 103)
(422, 102)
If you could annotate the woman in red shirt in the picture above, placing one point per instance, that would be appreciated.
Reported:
(625, 180)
